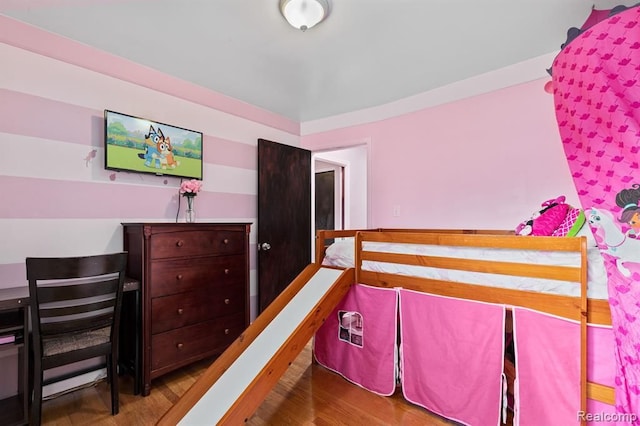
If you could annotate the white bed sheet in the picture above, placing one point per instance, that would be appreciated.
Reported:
(341, 253)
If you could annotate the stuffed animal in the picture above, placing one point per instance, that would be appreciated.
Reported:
(556, 218)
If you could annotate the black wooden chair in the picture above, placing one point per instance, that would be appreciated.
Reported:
(75, 315)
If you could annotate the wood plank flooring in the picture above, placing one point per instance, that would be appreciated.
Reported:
(307, 394)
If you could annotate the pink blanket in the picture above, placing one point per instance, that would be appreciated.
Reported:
(452, 356)
(359, 339)
(596, 82)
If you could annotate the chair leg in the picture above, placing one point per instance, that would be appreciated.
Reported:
(36, 403)
(112, 375)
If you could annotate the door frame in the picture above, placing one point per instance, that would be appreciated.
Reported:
(348, 178)
(340, 196)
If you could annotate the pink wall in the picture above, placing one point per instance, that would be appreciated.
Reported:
(482, 162)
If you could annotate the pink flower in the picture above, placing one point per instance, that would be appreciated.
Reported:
(190, 188)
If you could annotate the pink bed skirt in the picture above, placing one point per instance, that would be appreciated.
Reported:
(359, 339)
(452, 354)
(448, 356)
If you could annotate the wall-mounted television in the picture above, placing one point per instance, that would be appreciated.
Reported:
(140, 145)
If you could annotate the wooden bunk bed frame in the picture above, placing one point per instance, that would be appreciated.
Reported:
(581, 309)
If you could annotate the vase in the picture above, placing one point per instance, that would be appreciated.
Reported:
(190, 213)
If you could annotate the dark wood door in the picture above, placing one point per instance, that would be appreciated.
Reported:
(284, 217)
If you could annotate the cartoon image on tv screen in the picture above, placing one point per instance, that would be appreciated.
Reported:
(141, 145)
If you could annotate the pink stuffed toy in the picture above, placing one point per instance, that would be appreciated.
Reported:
(555, 218)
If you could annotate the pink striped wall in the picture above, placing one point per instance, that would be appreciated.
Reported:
(59, 199)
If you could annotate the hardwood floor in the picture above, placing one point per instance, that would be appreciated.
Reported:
(307, 394)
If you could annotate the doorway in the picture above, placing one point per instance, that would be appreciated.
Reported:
(349, 192)
(298, 173)
(329, 196)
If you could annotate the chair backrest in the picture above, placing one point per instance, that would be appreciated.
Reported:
(75, 295)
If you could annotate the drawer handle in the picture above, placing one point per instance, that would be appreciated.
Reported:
(226, 241)
(180, 345)
(226, 331)
(179, 277)
(180, 243)
(226, 271)
(227, 301)
(180, 311)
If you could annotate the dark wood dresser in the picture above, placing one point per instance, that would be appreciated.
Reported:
(194, 299)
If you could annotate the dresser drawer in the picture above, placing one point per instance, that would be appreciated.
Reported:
(186, 344)
(180, 275)
(179, 310)
(196, 243)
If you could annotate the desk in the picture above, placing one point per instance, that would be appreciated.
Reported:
(130, 350)
(19, 296)
(14, 303)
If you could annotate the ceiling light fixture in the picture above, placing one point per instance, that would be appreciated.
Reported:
(304, 14)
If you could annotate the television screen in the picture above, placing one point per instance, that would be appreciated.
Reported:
(138, 145)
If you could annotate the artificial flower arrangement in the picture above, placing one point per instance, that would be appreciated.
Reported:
(190, 188)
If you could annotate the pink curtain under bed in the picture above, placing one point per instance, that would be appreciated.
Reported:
(596, 80)
(451, 356)
(601, 368)
(359, 339)
(547, 388)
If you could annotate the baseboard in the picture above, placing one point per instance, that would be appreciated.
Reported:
(65, 386)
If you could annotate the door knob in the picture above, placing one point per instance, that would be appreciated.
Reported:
(264, 246)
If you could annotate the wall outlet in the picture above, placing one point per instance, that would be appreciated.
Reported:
(396, 211)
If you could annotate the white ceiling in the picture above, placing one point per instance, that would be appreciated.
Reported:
(367, 52)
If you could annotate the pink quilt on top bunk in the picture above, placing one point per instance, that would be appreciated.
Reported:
(596, 80)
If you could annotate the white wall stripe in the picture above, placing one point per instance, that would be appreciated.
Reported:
(73, 237)
(68, 237)
(230, 179)
(58, 237)
(26, 156)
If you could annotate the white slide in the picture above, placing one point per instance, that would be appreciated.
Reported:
(215, 403)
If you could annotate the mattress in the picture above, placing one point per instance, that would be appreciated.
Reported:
(341, 254)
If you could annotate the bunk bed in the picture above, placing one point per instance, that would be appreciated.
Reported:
(547, 280)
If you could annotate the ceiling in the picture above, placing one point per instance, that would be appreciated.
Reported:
(366, 53)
